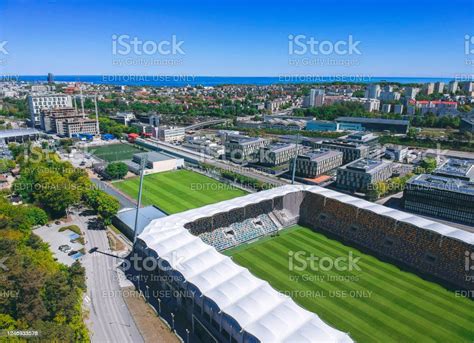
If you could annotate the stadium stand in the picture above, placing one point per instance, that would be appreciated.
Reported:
(227, 303)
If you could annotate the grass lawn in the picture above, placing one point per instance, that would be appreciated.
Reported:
(115, 152)
(178, 191)
(378, 303)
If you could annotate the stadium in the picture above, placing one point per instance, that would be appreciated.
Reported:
(203, 292)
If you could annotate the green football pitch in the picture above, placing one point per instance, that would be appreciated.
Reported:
(178, 191)
(115, 152)
(375, 303)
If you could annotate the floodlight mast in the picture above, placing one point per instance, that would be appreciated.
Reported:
(139, 199)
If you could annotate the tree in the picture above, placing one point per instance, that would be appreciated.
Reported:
(56, 193)
(104, 204)
(116, 170)
(6, 165)
(428, 164)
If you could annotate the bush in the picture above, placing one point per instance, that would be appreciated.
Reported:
(73, 228)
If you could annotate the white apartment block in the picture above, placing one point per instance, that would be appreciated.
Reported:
(37, 103)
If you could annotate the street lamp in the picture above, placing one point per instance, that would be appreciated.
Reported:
(172, 321)
(187, 336)
(159, 305)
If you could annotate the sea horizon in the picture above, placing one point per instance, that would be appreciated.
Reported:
(185, 80)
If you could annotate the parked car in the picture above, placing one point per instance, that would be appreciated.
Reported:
(57, 222)
(65, 248)
(72, 252)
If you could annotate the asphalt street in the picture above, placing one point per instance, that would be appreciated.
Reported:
(109, 317)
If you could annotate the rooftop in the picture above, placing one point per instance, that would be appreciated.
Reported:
(319, 154)
(373, 120)
(18, 132)
(454, 167)
(153, 156)
(145, 216)
(276, 147)
(366, 165)
(442, 183)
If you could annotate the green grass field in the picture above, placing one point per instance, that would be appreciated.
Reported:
(379, 303)
(115, 152)
(178, 191)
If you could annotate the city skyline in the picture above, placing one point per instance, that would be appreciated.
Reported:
(237, 39)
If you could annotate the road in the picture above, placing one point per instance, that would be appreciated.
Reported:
(123, 200)
(199, 157)
(109, 317)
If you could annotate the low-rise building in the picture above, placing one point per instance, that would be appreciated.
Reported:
(439, 196)
(457, 169)
(360, 174)
(276, 154)
(378, 124)
(156, 162)
(397, 153)
(170, 134)
(350, 151)
(467, 124)
(317, 162)
(243, 149)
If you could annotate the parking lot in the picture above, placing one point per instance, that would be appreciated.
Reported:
(55, 239)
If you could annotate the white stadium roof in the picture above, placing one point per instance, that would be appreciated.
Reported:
(259, 309)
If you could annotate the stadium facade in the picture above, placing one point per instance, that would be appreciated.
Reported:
(222, 301)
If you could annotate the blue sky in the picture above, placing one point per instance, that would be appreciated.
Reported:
(237, 38)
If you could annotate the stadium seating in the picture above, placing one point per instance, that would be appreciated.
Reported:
(422, 249)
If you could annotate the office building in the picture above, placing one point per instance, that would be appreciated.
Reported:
(350, 151)
(72, 127)
(37, 103)
(439, 196)
(396, 153)
(361, 174)
(277, 154)
(242, 149)
(317, 162)
(457, 169)
(50, 78)
(125, 118)
(154, 120)
(49, 118)
(377, 124)
(170, 133)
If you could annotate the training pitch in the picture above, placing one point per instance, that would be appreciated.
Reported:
(375, 303)
(115, 152)
(178, 191)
